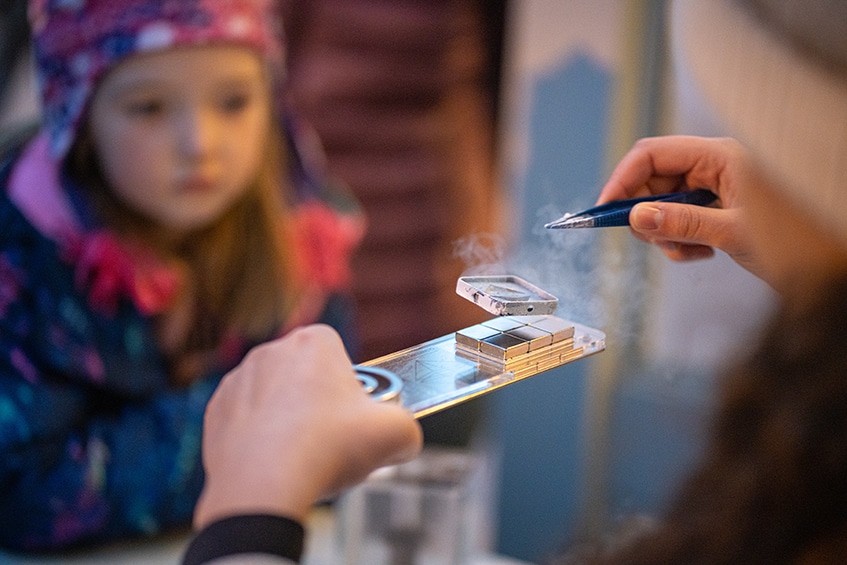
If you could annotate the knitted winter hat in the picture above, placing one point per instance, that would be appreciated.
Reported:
(77, 41)
(775, 73)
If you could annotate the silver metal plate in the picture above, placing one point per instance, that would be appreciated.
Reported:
(506, 295)
(457, 367)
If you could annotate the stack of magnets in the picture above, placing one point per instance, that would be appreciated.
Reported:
(519, 344)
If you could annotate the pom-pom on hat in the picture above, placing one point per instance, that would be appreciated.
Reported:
(78, 41)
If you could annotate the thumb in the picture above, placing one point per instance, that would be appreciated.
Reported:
(686, 232)
(683, 223)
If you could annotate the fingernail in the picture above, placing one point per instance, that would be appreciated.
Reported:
(645, 217)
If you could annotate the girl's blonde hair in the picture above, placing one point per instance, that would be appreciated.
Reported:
(237, 273)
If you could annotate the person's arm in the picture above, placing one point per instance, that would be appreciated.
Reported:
(666, 164)
(288, 427)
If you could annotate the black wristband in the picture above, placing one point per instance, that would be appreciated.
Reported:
(253, 533)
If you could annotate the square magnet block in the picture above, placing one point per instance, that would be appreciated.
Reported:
(503, 346)
(535, 337)
(470, 337)
(560, 329)
(506, 295)
(503, 324)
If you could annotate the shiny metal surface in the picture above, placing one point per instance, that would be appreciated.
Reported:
(441, 373)
(382, 384)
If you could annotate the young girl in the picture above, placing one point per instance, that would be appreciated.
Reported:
(158, 225)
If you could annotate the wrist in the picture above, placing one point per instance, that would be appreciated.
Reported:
(217, 503)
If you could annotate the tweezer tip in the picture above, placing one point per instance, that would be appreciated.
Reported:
(572, 221)
(560, 223)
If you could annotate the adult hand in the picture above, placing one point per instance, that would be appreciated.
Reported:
(674, 163)
(291, 425)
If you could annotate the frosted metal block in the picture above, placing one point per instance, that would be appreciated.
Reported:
(506, 295)
(536, 338)
(503, 346)
(559, 328)
(470, 337)
(503, 324)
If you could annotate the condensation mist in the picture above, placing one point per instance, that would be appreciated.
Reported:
(566, 263)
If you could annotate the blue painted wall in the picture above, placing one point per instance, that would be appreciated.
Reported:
(537, 421)
(569, 109)
(658, 418)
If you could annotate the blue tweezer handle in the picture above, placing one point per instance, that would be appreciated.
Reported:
(616, 213)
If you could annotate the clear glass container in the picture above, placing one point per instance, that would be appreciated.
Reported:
(425, 512)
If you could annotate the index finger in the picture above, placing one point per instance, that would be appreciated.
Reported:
(658, 165)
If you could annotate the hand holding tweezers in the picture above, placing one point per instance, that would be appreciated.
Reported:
(617, 213)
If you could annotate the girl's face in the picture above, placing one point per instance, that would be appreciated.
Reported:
(180, 134)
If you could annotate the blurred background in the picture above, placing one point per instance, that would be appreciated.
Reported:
(463, 126)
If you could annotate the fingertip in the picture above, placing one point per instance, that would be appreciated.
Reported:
(413, 445)
(646, 217)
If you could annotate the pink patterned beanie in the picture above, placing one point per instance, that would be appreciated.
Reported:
(77, 41)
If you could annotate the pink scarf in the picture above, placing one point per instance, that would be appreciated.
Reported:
(106, 266)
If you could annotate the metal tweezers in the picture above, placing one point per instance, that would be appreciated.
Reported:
(617, 213)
